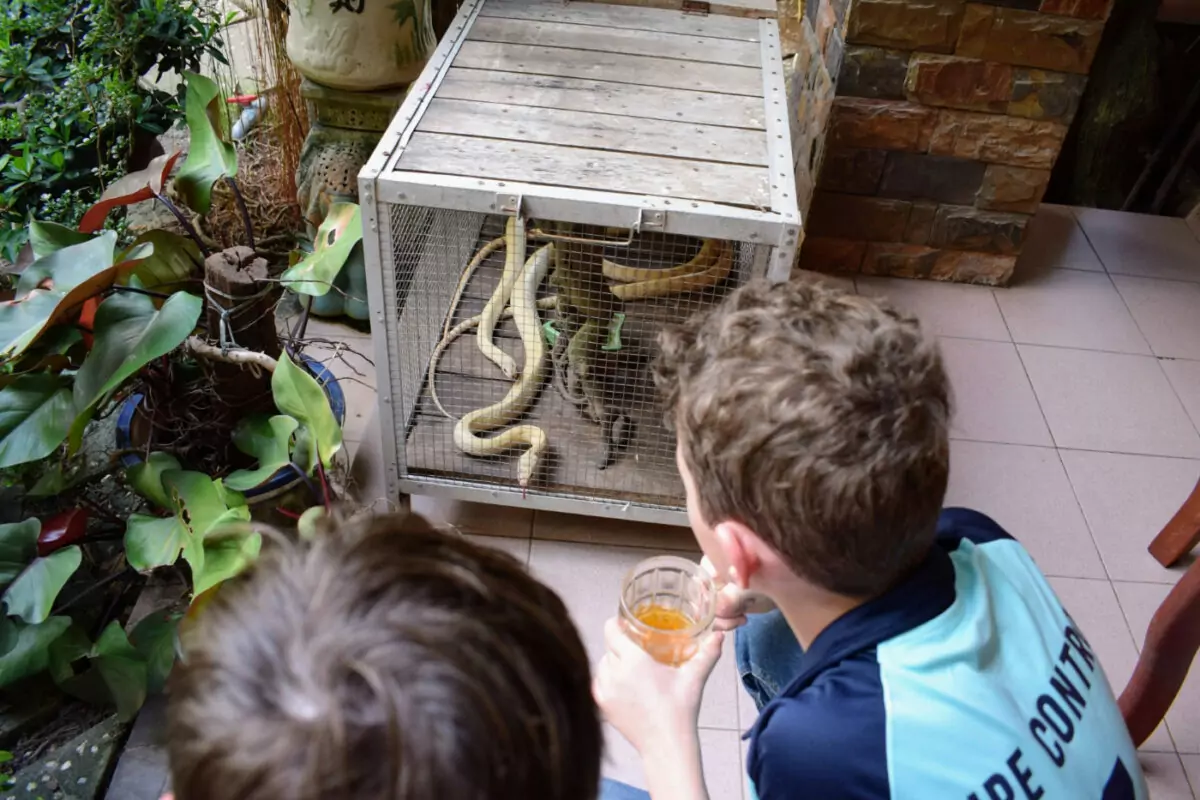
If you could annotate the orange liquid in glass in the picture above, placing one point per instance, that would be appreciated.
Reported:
(663, 618)
(666, 641)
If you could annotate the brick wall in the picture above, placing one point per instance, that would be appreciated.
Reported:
(946, 120)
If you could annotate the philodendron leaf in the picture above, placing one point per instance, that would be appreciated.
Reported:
(268, 440)
(175, 260)
(116, 671)
(211, 156)
(35, 415)
(26, 648)
(315, 273)
(53, 287)
(297, 393)
(226, 554)
(18, 546)
(133, 188)
(48, 237)
(123, 669)
(152, 542)
(154, 638)
(203, 510)
(129, 333)
(309, 523)
(32, 594)
(146, 478)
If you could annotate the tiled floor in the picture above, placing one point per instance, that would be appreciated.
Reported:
(1077, 427)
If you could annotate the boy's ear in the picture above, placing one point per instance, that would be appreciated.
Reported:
(739, 547)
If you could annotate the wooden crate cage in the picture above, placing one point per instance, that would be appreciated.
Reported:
(585, 173)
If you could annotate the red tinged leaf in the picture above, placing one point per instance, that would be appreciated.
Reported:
(61, 530)
(87, 320)
(133, 188)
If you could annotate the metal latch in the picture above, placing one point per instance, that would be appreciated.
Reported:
(700, 7)
(508, 204)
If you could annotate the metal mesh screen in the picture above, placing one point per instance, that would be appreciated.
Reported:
(534, 374)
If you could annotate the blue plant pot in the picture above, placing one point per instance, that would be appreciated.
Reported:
(283, 480)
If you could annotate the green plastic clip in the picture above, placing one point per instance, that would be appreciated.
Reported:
(613, 343)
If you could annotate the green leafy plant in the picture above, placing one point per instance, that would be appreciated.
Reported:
(75, 105)
(89, 324)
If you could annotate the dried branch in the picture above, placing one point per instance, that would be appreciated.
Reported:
(248, 358)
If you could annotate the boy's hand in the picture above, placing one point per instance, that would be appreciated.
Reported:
(652, 705)
(733, 602)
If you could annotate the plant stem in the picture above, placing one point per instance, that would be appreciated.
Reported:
(241, 203)
(187, 226)
(97, 585)
(135, 290)
(307, 481)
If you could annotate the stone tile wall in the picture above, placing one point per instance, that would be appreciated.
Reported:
(931, 127)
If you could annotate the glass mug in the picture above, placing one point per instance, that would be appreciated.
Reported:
(667, 605)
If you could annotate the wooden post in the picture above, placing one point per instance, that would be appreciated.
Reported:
(240, 303)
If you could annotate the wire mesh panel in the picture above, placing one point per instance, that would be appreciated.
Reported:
(525, 349)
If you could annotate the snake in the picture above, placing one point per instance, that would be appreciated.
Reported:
(709, 270)
(467, 432)
(514, 257)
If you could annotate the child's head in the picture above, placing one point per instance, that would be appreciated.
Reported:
(386, 661)
(815, 420)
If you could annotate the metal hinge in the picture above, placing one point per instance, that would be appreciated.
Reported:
(508, 204)
(700, 7)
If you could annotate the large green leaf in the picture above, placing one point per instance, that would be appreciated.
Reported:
(35, 415)
(204, 510)
(174, 261)
(315, 273)
(226, 554)
(297, 393)
(48, 237)
(268, 440)
(25, 649)
(53, 287)
(18, 546)
(72, 646)
(154, 638)
(32, 594)
(152, 542)
(211, 156)
(116, 673)
(146, 478)
(129, 333)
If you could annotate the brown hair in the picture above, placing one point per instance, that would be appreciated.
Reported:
(818, 418)
(385, 660)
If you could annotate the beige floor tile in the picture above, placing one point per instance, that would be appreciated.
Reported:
(517, 548)
(1126, 501)
(1168, 313)
(945, 309)
(720, 751)
(1165, 776)
(1142, 244)
(1069, 308)
(1054, 240)
(1094, 607)
(1139, 601)
(588, 578)
(993, 399)
(1185, 378)
(476, 518)
(1026, 490)
(553, 526)
(1191, 765)
(1108, 401)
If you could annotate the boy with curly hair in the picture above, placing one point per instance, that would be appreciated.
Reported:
(913, 652)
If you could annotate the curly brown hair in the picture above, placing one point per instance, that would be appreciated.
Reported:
(819, 419)
(385, 660)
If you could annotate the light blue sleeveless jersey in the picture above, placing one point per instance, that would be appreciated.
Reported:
(967, 681)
